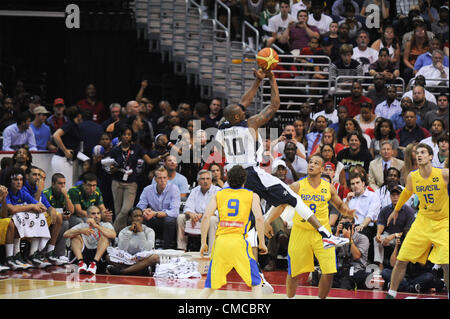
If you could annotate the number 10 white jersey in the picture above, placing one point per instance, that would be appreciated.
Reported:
(239, 146)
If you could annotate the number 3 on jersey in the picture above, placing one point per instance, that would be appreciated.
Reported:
(233, 204)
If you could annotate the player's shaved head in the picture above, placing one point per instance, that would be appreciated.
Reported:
(320, 158)
(230, 112)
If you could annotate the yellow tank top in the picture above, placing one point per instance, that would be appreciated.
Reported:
(432, 193)
(234, 206)
(317, 200)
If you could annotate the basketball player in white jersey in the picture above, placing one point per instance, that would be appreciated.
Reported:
(244, 146)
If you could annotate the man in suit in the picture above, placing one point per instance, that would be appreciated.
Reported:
(378, 167)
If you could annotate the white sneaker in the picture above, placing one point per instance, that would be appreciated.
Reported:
(267, 288)
(92, 268)
(82, 267)
(334, 241)
(4, 268)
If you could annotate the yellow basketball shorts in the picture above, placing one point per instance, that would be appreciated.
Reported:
(4, 222)
(303, 246)
(424, 234)
(232, 251)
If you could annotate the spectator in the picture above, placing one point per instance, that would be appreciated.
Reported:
(149, 118)
(347, 127)
(353, 255)
(418, 45)
(91, 102)
(269, 11)
(160, 203)
(306, 116)
(349, 18)
(397, 119)
(356, 154)
(441, 113)
(89, 240)
(342, 38)
(215, 113)
(134, 239)
(420, 81)
(251, 10)
(218, 175)
(130, 158)
(345, 66)
(329, 155)
(392, 180)
(427, 58)
(384, 131)
(164, 108)
(411, 132)
(386, 234)
(329, 111)
(299, 33)
(278, 25)
(19, 133)
(420, 104)
(68, 139)
(289, 135)
(318, 19)
(384, 66)
(201, 111)
(315, 135)
(235, 15)
(440, 27)
(114, 111)
(84, 196)
(194, 209)
(378, 168)
(328, 137)
(185, 113)
(8, 113)
(410, 158)
(300, 5)
(342, 190)
(90, 132)
(41, 130)
(300, 132)
(34, 102)
(366, 118)
(437, 129)
(388, 41)
(436, 70)
(390, 106)
(367, 205)
(442, 154)
(132, 109)
(21, 159)
(59, 199)
(57, 119)
(171, 165)
(296, 166)
(362, 53)
(353, 102)
(378, 92)
(342, 116)
(339, 7)
(280, 169)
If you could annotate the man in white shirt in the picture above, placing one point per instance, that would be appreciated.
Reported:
(367, 205)
(296, 7)
(195, 208)
(420, 80)
(390, 106)
(437, 128)
(362, 52)
(318, 19)
(278, 24)
(435, 71)
(329, 111)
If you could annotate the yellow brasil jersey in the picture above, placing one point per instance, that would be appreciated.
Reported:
(432, 193)
(316, 199)
(234, 206)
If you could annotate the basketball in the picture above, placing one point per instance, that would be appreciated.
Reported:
(267, 59)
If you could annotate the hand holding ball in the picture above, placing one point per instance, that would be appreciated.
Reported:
(267, 59)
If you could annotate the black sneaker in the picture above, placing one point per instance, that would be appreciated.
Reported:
(113, 270)
(388, 296)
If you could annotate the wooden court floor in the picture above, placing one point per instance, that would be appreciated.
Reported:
(62, 283)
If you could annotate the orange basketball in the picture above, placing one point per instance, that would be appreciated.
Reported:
(267, 59)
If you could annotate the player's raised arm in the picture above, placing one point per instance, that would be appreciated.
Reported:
(248, 97)
(269, 111)
(404, 196)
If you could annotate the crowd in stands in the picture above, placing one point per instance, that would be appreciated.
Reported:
(143, 180)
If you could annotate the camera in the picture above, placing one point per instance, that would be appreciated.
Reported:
(347, 225)
(288, 136)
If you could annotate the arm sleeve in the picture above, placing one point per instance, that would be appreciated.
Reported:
(143, 202)
(7, 140)
(189, 206)
(404, 196)
(175, 201)
(124, 239)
